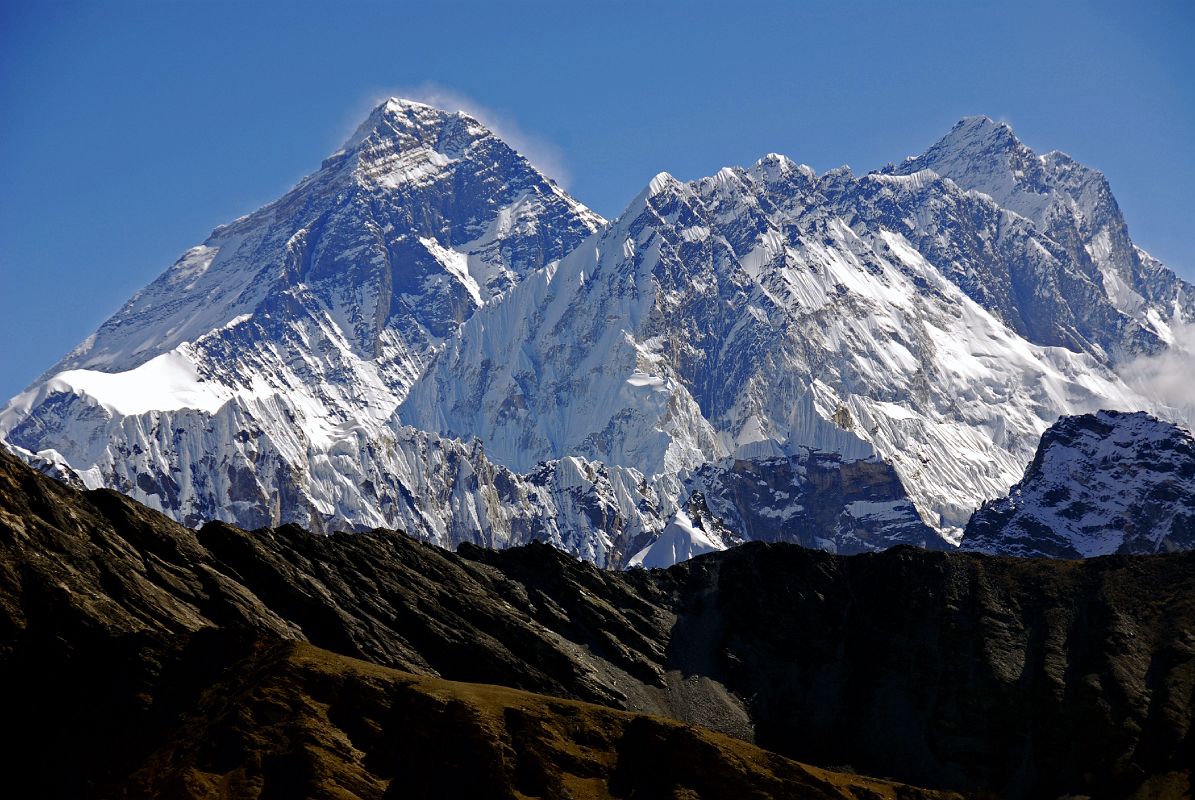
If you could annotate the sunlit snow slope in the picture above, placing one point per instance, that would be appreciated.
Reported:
(771, 309)
(429, 334)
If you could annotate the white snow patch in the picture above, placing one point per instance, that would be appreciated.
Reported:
(456, 264)
(887, 510)
(643, 379)
(679, 541)
(165, 383)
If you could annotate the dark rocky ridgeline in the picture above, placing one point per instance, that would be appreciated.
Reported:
(131, 646)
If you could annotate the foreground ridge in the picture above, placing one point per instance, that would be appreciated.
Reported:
(1026, 678)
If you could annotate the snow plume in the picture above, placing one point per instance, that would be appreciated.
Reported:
(546, 156)
(1168, 378)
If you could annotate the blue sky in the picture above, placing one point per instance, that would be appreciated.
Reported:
(130, 130)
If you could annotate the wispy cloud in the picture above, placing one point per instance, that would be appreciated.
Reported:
(546, 156)
(1168, 378)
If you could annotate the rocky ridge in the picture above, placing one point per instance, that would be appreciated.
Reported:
(767, 311)
(1100, 483)
(1025, 678)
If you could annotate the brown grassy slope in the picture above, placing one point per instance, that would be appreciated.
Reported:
(291, 720)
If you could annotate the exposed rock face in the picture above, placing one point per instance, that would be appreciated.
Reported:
(1027, 678)
(814, 499)
(1099, 484)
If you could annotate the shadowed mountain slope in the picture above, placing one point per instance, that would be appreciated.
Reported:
(1027, 678)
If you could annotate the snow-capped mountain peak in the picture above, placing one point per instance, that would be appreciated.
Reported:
(403, 118)
(1096, 291)
(403, 140)
(984, 155)
(419, 202)
(234, 385)
(427, 333)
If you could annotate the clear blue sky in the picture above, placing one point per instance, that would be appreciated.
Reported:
(130, 130)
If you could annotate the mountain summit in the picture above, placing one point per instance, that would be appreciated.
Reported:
(420, 218)
(429, 334)
(1097, 292)
(230, 387)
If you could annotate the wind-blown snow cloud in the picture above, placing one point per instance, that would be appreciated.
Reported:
(546, 156)
(1168, 378)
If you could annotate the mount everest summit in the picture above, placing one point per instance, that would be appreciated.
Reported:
(429, 334)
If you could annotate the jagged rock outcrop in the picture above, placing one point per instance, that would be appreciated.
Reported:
(1100, 483)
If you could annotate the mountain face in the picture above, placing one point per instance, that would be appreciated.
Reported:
(768, 312)
(1112, 299)
(420, 218)
(428, 334)
(255, 379)
(157, 659)
(1099, 484)
(324, 305)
